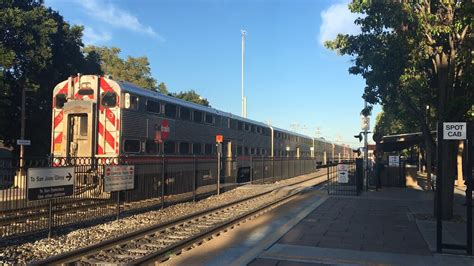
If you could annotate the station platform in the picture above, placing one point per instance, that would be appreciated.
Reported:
(389, 227)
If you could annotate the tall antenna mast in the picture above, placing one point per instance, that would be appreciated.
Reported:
(244, 100)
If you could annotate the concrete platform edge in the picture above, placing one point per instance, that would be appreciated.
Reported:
(268, 241)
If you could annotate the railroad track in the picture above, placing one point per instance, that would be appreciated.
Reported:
(160, 242)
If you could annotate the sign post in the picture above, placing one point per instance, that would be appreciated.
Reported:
(48, 184)
(118, 178)
(453, 131)
(219, 139)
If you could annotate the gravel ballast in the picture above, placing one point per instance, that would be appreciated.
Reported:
(16, 252)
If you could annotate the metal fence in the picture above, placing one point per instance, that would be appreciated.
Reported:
(344, 178)
(158, 182)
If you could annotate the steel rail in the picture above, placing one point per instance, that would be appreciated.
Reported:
(74, 255)
(177, 248)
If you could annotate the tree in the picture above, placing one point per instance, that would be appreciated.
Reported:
(389, 123)
(418, 54)
(37, 50)
(191, 96)
(162, 88)
(135, 70)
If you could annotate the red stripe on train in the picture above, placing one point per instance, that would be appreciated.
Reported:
(58, 119)
(100, 150)
(104, 85)
(58, 138)
(108, 137)
(110, 116)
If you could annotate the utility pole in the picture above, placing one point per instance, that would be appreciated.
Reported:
(244, 100)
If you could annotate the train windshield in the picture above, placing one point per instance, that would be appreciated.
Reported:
(109, 99)
(60, 100)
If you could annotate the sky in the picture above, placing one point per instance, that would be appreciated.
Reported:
(291, 80)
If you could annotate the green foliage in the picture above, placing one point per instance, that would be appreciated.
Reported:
(135, 70)
(162, 88)
(191, 96)
(38, 49)
(392, 123)
(413, 54)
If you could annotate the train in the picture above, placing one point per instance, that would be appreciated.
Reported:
(97, 116)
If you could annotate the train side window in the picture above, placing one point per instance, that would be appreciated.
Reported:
(197, 116)
(133, 102)
(247, 127)
(109, 99)
(233, 124)
(184, 148)
(131, 145)
(219, 120)
(253, 128)
(60, 100)
(185, 113)
(151, 147)
(169, 147)
(240, 125)
(224, 122)
(208, 149)
(170, 110)
(246, 150)
(153, 107)
(259, 130)
(257, 151)
(209, 119)
(197, 149)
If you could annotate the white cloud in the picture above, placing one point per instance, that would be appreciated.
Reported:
(94, 37)
(337, 19)
(110, 14)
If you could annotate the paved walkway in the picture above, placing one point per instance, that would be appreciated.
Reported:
(385, 227)
(378, 227)
(359, 224)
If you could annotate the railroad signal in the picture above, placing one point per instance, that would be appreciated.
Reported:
(219, 138)
(358, 137)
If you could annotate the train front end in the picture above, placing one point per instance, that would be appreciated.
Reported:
(86, 118)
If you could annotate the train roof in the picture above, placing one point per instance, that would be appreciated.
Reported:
(132, 88)
(129, 87)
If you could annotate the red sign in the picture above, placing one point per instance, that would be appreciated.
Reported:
(165, 129)
(219, 138)
(158, 136)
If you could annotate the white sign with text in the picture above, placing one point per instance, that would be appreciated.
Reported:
(394, 161)
(119, 177)
(342, 173)
(454, 130)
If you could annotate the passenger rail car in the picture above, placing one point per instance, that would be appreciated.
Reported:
(95, 116)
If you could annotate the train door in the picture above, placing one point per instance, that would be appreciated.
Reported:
(78, 137)
(79, 129)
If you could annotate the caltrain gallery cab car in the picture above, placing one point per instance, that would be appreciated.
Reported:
(95, 116)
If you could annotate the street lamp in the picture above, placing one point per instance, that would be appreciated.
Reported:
(287, 151)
